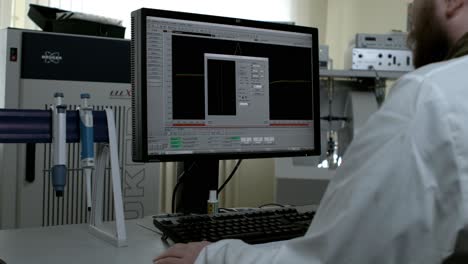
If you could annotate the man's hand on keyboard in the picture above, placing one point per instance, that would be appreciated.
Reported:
(181, 253)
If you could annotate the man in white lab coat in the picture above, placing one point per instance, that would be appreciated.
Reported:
(401, 195)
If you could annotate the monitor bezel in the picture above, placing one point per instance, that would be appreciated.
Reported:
(140, 107)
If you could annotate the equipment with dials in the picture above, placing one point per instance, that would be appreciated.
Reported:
(396, 41)
(380, 52)
(382, 60)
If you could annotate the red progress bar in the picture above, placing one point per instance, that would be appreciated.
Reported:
(275, 125)
(189, 125)
(299, 125)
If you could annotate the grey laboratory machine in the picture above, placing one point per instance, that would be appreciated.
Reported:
(33, 66)
(394, 41)
(380, 52)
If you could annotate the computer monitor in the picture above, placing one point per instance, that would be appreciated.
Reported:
(207, 88)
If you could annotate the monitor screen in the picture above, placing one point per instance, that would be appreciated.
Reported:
(207, 86)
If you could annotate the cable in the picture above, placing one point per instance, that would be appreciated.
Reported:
(230, 176)
(181, 176)
(271, 204)
(379, 88)
(331, 94)
(179, 181)
(152, 229)
(334, 118)
(226, 210)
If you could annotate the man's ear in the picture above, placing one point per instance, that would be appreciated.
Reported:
(453, 6)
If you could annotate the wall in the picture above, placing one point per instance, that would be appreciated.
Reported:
(256, 183)
(312, 13)
(20, 10)
(303, 12)
(278, 10)
(5, 13)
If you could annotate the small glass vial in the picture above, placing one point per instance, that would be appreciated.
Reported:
(213, 203)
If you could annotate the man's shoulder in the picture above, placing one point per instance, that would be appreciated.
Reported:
(444, 80)
(443, 71)
(440, 86)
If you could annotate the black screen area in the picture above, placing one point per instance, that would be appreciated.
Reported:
(75, 58)
(290, 73)
(221, 87)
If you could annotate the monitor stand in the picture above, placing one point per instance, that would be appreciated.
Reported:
(200, 177)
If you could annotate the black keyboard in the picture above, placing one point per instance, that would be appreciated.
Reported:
(253, 227)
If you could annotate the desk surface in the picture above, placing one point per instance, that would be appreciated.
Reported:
(74, 244)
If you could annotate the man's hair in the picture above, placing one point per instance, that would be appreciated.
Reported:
(428, 39)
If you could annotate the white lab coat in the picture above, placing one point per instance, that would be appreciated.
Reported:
(401, 195)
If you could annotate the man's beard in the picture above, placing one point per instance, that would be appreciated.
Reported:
(428, 40)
